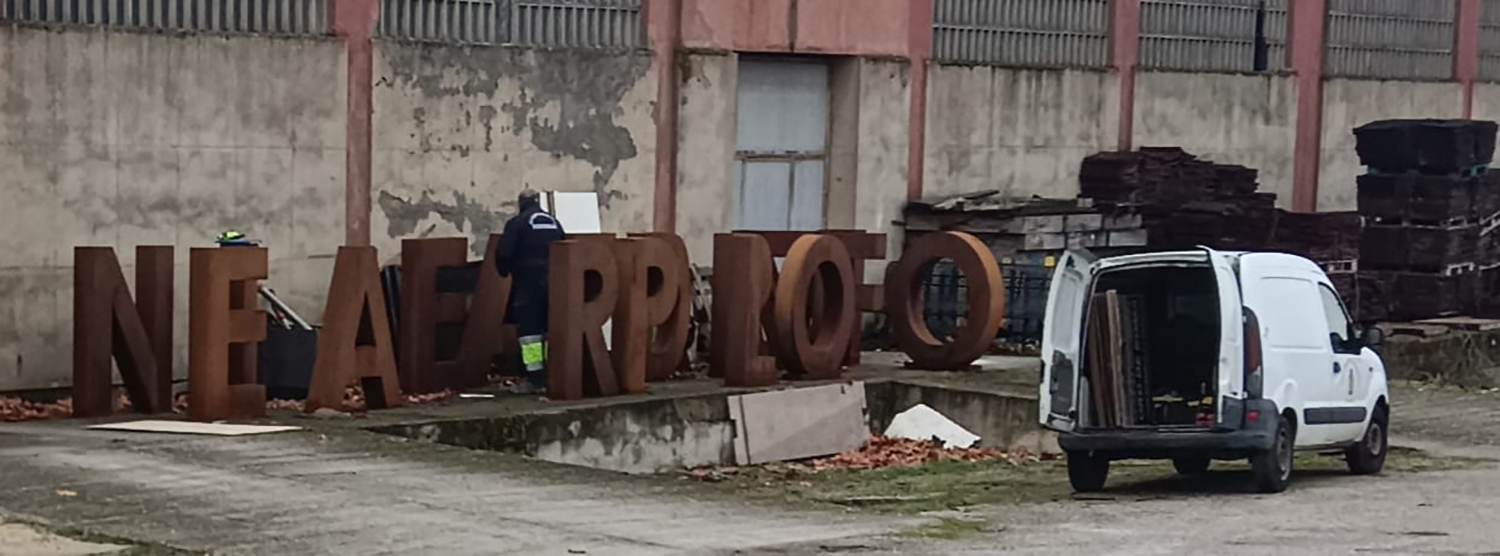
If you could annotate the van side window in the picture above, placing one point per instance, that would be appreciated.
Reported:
(1338, 319)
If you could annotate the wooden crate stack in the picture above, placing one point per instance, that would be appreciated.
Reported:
(1429, 204)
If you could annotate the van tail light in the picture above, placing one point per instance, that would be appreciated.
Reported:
(1251, 417)
(1254, 355)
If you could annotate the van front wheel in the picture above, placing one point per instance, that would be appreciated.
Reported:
(1272, 469)
(1087, 472)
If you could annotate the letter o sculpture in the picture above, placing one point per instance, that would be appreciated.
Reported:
(904, 301)
(814, 342)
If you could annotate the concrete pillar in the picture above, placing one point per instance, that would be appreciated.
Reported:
(664, 25)
(1305, 35)
(1466, 50)
(353, 21)
(1124, 56)
(918, 50)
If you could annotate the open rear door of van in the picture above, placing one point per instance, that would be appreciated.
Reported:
(1231, 402)
(1061, 340)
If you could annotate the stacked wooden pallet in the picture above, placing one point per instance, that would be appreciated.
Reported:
(1429, 204)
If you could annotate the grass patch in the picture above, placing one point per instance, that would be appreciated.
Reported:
(946, 528)
(953, 485)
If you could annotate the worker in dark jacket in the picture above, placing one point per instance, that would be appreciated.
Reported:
(523, 256)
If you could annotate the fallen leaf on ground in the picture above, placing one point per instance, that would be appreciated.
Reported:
(66, 493)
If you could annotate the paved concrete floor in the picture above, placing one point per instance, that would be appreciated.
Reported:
(352, 492)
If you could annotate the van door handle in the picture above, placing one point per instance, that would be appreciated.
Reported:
(1336, 368)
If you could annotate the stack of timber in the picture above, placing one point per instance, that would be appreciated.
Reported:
(1430, 205)
(1115, 360)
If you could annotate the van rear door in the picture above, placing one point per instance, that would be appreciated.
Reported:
(1231, 401)
(1061, 342)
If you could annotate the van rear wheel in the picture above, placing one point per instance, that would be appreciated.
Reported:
(1367, 457)
(1191, 465)
(1272, 469)
(1087, 471)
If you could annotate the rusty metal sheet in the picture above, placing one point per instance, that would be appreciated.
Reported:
(421, 368)
(484, 335)
(583, 289)
(632, 337)
(742, 285)
(218, 280)
(904, 304)
(813, 330)
(354, 345)
(107, 324)
(668, 351)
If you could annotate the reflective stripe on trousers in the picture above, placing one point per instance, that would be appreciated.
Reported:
(533, 353)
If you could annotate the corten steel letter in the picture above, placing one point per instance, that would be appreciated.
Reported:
(815, 339)
(582, 291)
(354, 345)
(221, 315)
(669, 344)
(484, 331)
(862, 246)
(904, 302)
(107, 324)
(631, 336)
(742, 282)
(423, 309)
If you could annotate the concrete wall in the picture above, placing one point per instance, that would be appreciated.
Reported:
(1487, 101)
(459, 131)
(1023, 132)
(1348, 104)
(880, 189)
(1229, 119)
(705, 150)
(853, 27)
(125, 139)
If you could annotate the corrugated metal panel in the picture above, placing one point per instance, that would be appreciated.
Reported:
(1390, 39)
(280, 17)
(1031, 33)
(605, 24)
(1213, 35)
(1489, 40)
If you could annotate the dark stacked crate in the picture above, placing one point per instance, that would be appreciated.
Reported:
(1426, 202)
(1184, 202)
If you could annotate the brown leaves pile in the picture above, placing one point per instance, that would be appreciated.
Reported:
(879, 453)
(17, 409)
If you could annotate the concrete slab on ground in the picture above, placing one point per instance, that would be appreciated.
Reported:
(798, 423)
(20, 539)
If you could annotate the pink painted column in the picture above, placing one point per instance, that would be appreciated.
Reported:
(664, 25)
(1124, 55)
(1466, 50)
(353, 21)
(1305, 53)
(918, 50)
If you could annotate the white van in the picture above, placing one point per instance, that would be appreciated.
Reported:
(1202, 355)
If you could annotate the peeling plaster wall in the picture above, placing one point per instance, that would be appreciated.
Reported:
(1226, 118)
(1022, 132)
(1350, 103)
(123, 139)
(705, 155)
(884, 126)
(459, 131)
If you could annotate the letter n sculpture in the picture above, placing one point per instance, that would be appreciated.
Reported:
(224, 327)
(354, 345)
(138, 335)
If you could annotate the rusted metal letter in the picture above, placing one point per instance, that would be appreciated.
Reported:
(669, 344)
(423, 370)
(582, 291)
(484, 331)
(743, 281)
(813, 330)
(903, 298)
(222, 314)
(107, 324)
(354, 345)
(862, 246)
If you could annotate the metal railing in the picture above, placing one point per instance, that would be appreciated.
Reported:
(605, 24)
(290, 17)
(1214, 35)
(1026, 33)
(1390, 39)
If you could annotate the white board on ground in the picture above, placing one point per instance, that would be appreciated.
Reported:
(798, 423)
(925, 423)
(190, 427)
